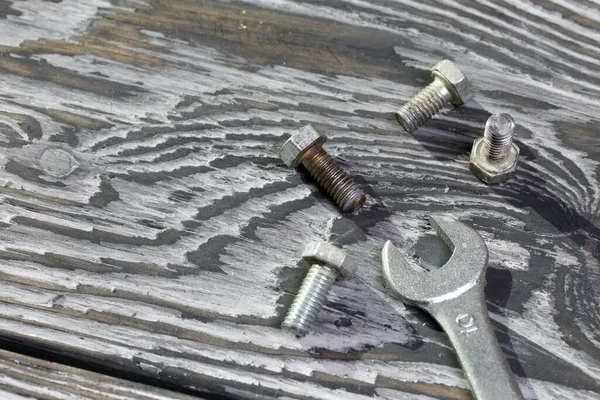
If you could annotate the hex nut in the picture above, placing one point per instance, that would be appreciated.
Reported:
(459, 85)
(292, 150)
(328, 254)
(493, 171)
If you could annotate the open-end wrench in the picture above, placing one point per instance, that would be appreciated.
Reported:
(453, 295)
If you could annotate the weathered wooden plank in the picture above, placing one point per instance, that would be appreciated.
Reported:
(23, 377)
(147, 224)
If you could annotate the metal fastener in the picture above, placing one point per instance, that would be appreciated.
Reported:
(494, 157)
(327, 264)
(449, 85)
(305, 147)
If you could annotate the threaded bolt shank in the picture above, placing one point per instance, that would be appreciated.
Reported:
(331, 177)
(449, 85)
(423, 106)
(498, 136)
(494, 157)
(305, 147)
(310, 299)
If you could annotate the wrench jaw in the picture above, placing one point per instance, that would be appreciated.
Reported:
(464, 270)
(468, 263)
(455, 234)
(419, 288)
(453, 295)
(396, 270)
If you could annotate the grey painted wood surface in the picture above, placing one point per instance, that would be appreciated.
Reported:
(147, 224)
(23, 377)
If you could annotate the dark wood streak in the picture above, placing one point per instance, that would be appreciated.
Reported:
(26, 377)
(170, 252)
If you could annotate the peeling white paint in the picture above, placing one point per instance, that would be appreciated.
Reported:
(252, 263)
(46, 20)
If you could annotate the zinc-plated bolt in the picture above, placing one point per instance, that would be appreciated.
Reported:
(449, 85)
(494, 157)
(327, 264)
(306, 147)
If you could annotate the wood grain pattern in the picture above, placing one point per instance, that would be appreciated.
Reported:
(146, 223)
(23, 377)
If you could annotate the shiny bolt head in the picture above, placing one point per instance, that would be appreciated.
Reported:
(456, 81)
(493, 171)
(304, 138)
(327, 254)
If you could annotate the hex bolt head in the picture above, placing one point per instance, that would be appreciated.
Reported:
(450, 85)
(305, 147)
(294, 148)
(327, 254)
(455, 80)
(328, 263)
(494, 157)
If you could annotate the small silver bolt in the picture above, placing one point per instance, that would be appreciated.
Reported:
(328, 264)
(305, 147)
(449, 85)
(494, 157)
(498, 135)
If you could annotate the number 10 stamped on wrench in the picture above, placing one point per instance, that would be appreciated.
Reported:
(453, 295)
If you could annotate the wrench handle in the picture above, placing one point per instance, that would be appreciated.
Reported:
(465, 319)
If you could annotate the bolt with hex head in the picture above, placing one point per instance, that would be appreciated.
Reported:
(449, 85)
(328, 263)
(305, 147)
(494, 157)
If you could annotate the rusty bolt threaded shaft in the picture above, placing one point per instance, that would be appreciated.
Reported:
(305, 147)
(331, 177)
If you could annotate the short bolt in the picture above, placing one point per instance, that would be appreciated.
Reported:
(498, 136)
(494, 157)
(327, 264)
(449, 85)
(305, 147)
